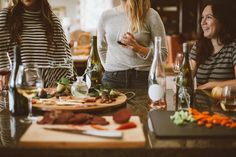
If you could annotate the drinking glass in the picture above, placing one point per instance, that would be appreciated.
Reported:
(4, 77)
(5, 71)
(28, 83)
(177, 63)
(120, 35)
(176, 68)
(229, 98)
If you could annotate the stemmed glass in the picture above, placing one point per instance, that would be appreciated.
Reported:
(177, 63)
(4, 77)
(176, 66)
(28, 83)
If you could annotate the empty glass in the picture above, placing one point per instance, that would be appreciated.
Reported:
(177, 63)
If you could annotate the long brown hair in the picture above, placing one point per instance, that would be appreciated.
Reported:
(136, 11)
(15, 24)
(224, 13)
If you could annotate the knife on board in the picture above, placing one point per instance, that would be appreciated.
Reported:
(97, 133)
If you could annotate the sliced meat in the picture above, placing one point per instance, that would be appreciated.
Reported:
(64, 117)
(99, 121)
(48, 118)
(80, 118)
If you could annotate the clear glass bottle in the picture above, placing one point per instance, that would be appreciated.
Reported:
(79, 89)
(185, 81)
(157, 79)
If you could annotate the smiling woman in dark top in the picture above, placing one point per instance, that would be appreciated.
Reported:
(213, 57)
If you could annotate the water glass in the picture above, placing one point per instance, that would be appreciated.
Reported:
(229, 97)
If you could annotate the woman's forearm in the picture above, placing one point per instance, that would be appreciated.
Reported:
(213, 84)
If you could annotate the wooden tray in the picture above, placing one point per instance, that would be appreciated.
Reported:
(120, 100)
(37, 137)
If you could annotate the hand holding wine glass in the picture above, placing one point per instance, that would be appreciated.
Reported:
(121, 35)
(28, 83)
(5, 71)
(4, 78)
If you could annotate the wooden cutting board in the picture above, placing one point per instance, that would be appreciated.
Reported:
(37, 137)
(88, 106)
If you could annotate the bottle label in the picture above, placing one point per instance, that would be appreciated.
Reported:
(88, 81)
(155, 92)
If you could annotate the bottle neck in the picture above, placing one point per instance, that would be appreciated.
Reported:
(93, 52)
(157, 46)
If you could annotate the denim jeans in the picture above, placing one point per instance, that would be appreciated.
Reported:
(126, 79)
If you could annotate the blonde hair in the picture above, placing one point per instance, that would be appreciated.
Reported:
(136, 11)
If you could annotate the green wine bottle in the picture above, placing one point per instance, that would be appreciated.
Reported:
(185, 82)
(94, 70)
(18, 104)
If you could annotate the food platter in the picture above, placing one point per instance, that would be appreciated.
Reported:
(73, 104)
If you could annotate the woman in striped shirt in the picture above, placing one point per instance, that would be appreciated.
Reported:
(32, 25)
(213, 57)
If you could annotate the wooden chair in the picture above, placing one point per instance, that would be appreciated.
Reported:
(80, 42)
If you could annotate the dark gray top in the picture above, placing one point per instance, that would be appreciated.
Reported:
(217, 67)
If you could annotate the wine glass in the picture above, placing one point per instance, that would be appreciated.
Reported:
(28, 83)
(5, 71)
(120, 35)
(176, 66)
(229, 97)
(4, 77)
(177, 63)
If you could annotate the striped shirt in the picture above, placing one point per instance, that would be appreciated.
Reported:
(217, 67)
(54, 60)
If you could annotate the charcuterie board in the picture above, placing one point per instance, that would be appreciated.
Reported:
(77, 105)
(38, 137)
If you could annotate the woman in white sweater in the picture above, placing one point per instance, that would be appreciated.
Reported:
(127, 64)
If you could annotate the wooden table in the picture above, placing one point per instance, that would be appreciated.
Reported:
(11, 131)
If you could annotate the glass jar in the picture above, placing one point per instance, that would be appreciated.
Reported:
(79, 88)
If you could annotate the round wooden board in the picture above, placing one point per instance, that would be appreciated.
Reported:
(120, 100)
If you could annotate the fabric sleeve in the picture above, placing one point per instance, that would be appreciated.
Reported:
(62, 59)
(157, 29)
(234, 55)
(4, 39)
(101, 40)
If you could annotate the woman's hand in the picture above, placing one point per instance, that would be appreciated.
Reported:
(130, 42)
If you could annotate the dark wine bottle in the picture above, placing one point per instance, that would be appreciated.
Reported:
(94, 69)
(18, 104)
(185, 81)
